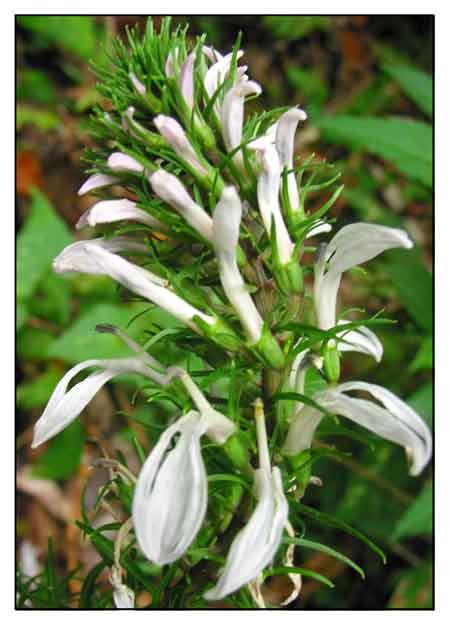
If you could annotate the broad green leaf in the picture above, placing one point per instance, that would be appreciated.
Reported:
(418, 519)
(406, 143)
(324, 549)
(43, 235)
(37, 392)
(51, 300)
(74, 33)
(414, 285)
(81, 341)
(33, 343)
(63, 455)
(424, 358)
(422, 401)
(418, 85)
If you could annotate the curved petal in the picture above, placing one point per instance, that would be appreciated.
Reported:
(226, 229)
(174, 134)
(397, 423)
(118, 161)
(351, 246)
(268, 184)
(232, 113)
(285, 141)
(138, 86)
(186, 79)
(217, 73)
(97, 180)
(362, 340)
(170, 497)
(92, 257)
(112, 210)
(302, 429)
(172, 191)
(256, 544)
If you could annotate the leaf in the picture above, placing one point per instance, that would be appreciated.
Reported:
(295, 570)
(51, 301)
(43, 235)
(81, 341)
(424, 358)
(37, 86)
(414, 285)
(37, 392)
(296, 396)
(418, 85)
(63, 455)
(292, 27)
(418, 519)
(74, 33)
(324, 549)
(33, 343)
(406, 143)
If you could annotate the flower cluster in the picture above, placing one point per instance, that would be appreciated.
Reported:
(199, 179)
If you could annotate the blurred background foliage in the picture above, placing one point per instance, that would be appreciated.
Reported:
(366, 83)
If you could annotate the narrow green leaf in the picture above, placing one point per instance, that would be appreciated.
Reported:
(295, 570)
(418, 519)
(325, 549)
(326, 519)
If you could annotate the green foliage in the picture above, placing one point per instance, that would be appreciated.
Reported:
(74, 33)
(406, 143)
(63, 454)
(424, 358)
(414, 589)
(416, 84)
(35, 85)
(37, 392)
(414, 285)
(43, 235)
(418, 519)
(294, 27)
(44, 120)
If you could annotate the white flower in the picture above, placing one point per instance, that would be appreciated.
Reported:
(66, 405)
(268, 184)
(232, 115)
(217, 73)
(170, 497)
(186, 83)
(351, 246)
(285, 143)
(226, 228)
(97, 180)
(172, 191)
(174, 134)
(362, 340)
(256, 544)
(118, 161)
(109, 211)
(96, 257)
(394, 421)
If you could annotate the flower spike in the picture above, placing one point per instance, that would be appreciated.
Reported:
(174, 134)
(112, 210)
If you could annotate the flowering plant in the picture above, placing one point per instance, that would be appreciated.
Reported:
(219, 235)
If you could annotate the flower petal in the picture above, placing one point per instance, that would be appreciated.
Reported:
(97, 180)
(118, 161)
(302, 429)
(109, 211)
(256, 544)
(172, 191)
(362, 340)
(170, 497)
(174, 134)
(396, 422)
(226, 229)
(95, 258)
(232, 113)
(285, 142)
